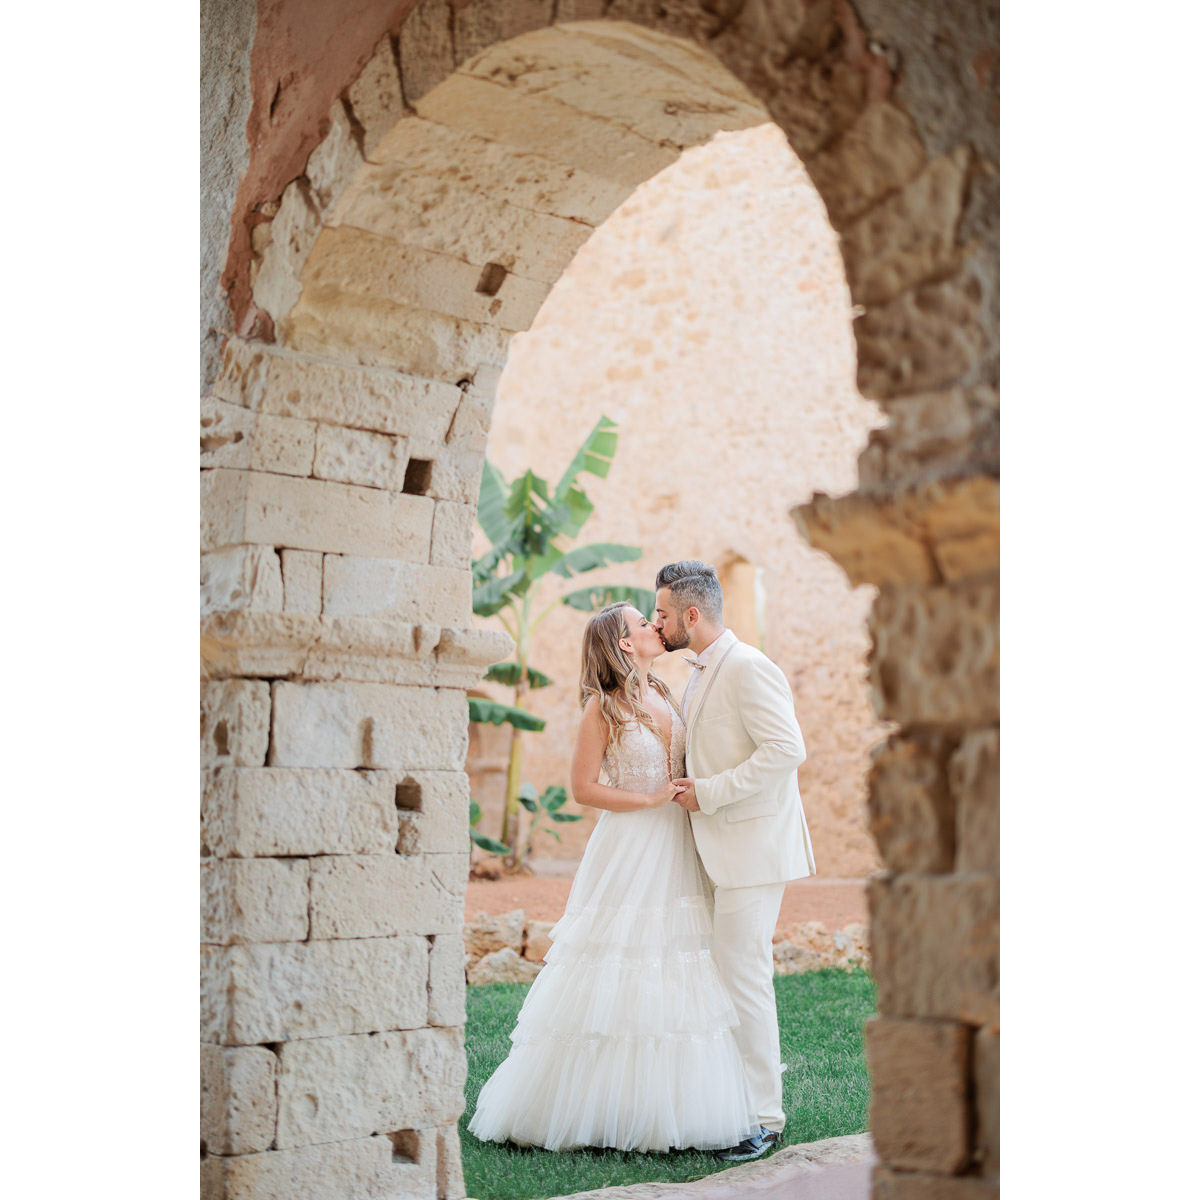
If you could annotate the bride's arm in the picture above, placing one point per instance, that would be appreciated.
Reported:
(586, 762)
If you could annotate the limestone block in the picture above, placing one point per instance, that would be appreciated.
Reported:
(375, 95)
(478, 647)
(931, 436)
(537, 940)
(257, 813)
(349, 261)
(241, 579)
(281, 991)
(965, 529)
(502, 966)
(478, 26)
(473, 417)
(358, 456)
(920, 1185)
(235, 720)
(312, 514)
(455, 476)
(974, 775)
(334, 1089)
(484, 934)
(381, 333)
(368, 725)
(450, 1185)
(447, 980)
(237, 1099)
(302, 570)
(935, 945)
(283, 445)
(912, 816)
(922, 340)
(909, 237)
(920, 1110)
(365, 1169)
(453, 529)
(293, 231)
(433, 809)
(335, 159)
(273, 380)
(426, 48)
(547, 127)
(379, 895)
(987, 1099)
(253, 900)
(380, 587)
(226, 433)
(937, 658)
(878, 154)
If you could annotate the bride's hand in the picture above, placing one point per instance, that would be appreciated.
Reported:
(664, 797)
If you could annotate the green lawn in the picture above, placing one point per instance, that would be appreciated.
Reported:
(825, 1090)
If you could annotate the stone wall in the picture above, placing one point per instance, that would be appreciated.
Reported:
(341, 448)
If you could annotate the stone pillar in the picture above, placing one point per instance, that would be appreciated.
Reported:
(337, 652)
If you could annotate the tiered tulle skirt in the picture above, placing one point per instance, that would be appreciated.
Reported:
(625, 1039)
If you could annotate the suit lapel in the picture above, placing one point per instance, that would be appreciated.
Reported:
(707, 678)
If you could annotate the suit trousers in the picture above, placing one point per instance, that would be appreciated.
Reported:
(743, 924)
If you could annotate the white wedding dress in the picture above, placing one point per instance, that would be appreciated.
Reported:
(625, 1039)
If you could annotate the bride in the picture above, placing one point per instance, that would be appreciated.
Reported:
(625, 1039)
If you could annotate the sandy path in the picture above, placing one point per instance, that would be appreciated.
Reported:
(836, 903)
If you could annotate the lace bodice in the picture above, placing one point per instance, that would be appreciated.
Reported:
(639, 763)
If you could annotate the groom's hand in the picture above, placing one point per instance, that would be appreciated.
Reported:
(686, 796)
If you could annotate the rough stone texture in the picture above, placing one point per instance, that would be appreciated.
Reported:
(450, 1185)
(935, 946)
(447, 980)
(283, 991)
(502, 966)
(293, 231)
(237, 1099)
(270, 379)
(974, 775)
(937, 654)
(537, 940)
(255, 813)
(375, 95)
(312, 514)
(920, 1110)
(254, 900)
(426, 48)
(381, 895)
(432, 810)
(887, 1184)
(302, 574)
(811, 947)
(241, 579)
(912, 810)
(334, 1089)
(987, 1099)
(483, 934)
(358, 456)
(367, 725)
(379, 587)
(235, 721)
(337, 157)
(453, 529)
(365, 1169)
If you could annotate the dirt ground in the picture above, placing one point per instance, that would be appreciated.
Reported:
(836, 903)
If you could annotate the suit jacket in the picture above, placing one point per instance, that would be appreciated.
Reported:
(743, 747)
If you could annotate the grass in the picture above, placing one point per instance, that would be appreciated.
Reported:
(825, 1090)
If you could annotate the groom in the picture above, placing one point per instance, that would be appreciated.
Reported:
(743, 748)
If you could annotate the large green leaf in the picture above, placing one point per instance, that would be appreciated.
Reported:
(489, 597)
(493, 495)
(509, 674)
(527, 795)
(564, 817)
(572, 507)
(488, 712)
(554, 797)
(595, 598)
(475, 812)
(589, 558)
(489, 844)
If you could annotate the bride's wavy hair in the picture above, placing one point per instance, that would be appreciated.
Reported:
(611, 675)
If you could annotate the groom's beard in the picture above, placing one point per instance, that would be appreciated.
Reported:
(679, 644)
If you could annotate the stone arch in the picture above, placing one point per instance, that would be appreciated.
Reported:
(341, 460)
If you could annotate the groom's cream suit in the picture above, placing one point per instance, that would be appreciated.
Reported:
(743, 747)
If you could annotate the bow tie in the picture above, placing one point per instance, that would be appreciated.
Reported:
(694, 662)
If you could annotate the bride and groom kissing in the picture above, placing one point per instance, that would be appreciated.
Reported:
(652, 1026)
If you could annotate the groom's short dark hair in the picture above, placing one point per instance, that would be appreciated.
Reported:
(692, 583)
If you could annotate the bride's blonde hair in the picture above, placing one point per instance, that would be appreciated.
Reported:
(611, 675)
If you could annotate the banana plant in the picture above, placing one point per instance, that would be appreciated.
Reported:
(528, 525)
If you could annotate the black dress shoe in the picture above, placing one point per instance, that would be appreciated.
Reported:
(755, 1146)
